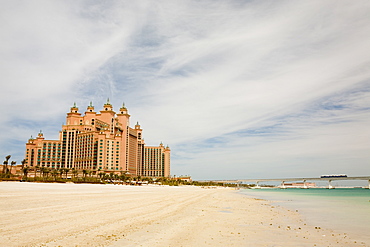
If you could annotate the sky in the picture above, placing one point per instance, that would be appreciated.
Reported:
(237, 89)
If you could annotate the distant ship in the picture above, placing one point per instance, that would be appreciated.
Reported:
(334, 176)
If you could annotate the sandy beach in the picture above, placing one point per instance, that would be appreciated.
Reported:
(36, 214)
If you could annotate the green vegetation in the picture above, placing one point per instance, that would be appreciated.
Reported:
(63, 175)
(46, 175)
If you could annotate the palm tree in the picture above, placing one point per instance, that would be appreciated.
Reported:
(61, 170)
(74, 172)
(25, 171)
(66, 170)
(54, 173)
(11, 166)
(129, 179)
(36, 167)
(23, 162)
(5, 167)
(149, 179)
(85, 172)
(42, 169)
(106, 176)
(123, 177)
(45, 171)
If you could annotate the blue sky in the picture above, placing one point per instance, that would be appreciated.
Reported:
(237, 89)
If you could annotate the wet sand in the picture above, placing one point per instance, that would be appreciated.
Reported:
(343, 210)
(35, 214)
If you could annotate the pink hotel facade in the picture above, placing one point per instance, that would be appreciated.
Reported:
(99, 142)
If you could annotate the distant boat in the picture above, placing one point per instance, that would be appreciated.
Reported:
(334, 176)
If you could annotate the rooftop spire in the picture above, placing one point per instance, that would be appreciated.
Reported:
(90, 108)
(137, 126)
(40, 135)
(123, 109)
(108, 106)
(74, 108)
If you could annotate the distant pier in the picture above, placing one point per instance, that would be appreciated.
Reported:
(304, 180)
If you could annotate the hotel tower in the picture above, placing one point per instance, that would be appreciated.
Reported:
(99, 142)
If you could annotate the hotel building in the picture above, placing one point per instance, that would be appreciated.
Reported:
(101, 142)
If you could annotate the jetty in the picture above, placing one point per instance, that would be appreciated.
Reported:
(304, 180)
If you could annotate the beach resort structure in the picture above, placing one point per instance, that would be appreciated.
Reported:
(99, 142)
(302, 185)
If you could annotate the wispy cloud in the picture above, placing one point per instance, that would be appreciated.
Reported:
(235, 88)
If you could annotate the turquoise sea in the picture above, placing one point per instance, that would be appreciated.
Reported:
(341, 209)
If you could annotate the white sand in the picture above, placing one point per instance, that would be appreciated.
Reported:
(35, 214)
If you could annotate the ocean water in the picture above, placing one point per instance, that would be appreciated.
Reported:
(345, 210)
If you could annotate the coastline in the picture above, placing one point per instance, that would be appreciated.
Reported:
(345, 209)
(116, 215)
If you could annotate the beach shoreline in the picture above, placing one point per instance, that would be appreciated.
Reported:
(344, 210)
(36, 214)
